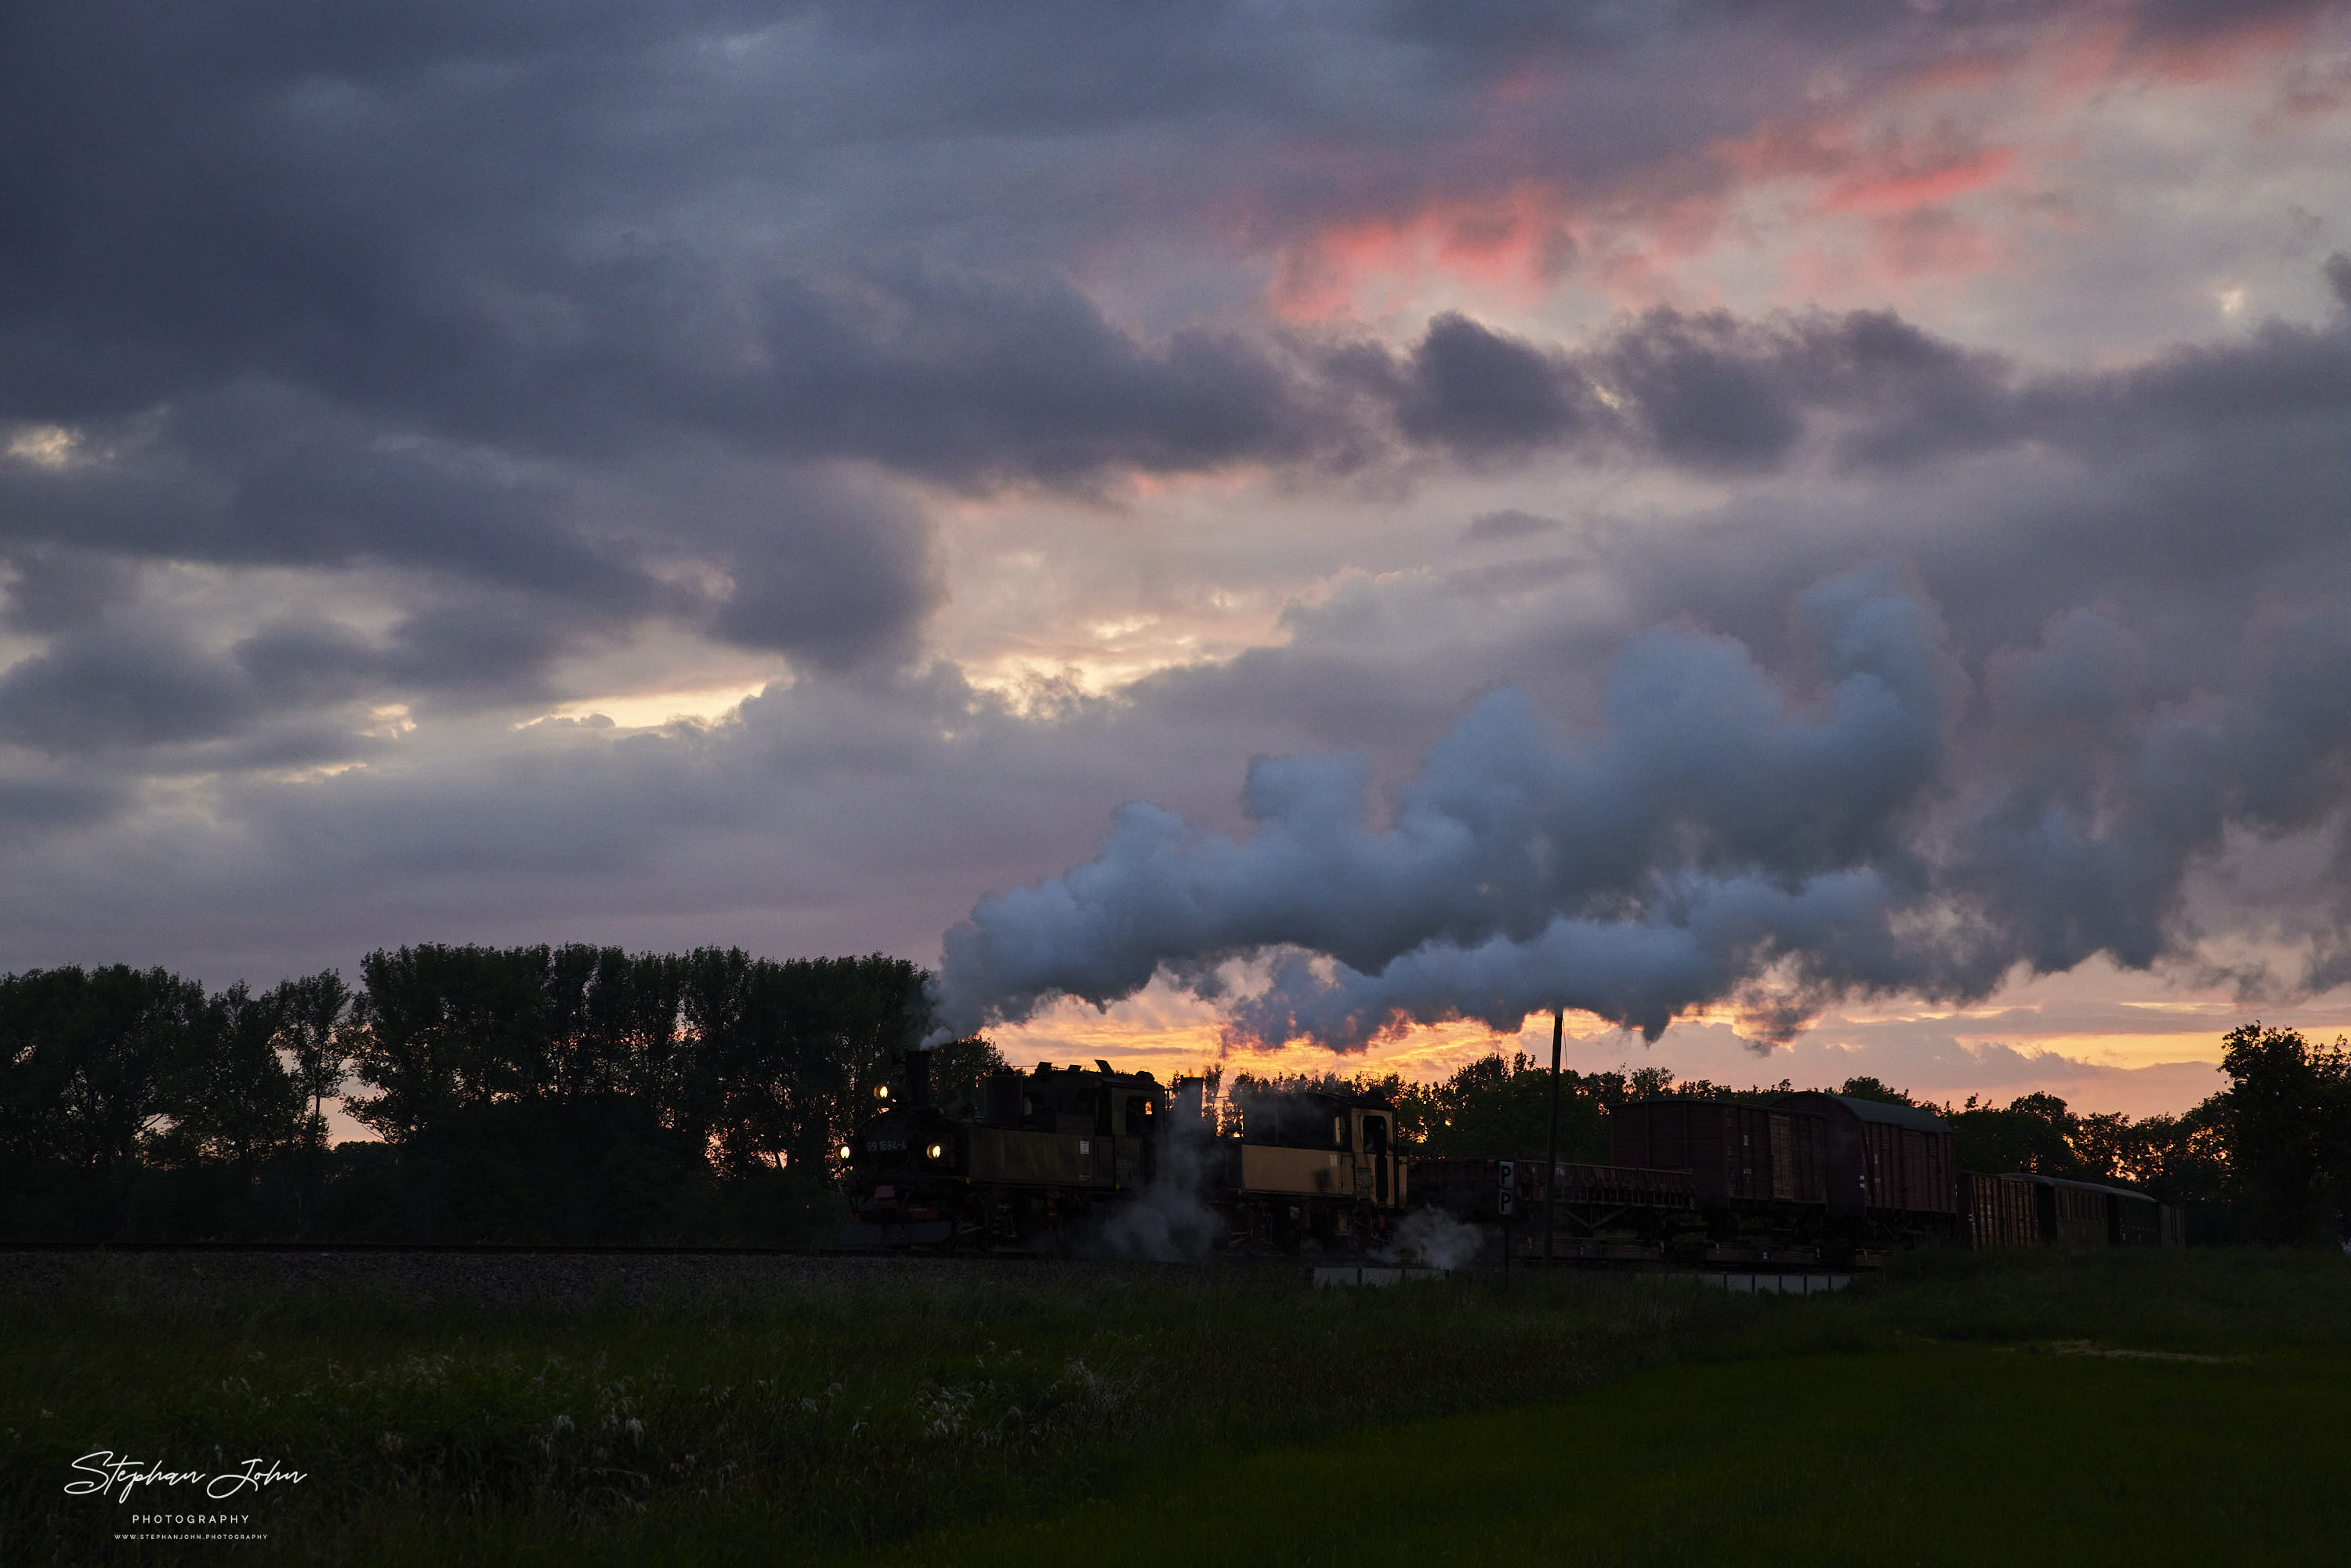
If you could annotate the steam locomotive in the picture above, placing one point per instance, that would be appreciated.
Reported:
(1089, 1158)
(1072, 1157)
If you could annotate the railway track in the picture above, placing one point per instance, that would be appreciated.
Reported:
(493, 1249)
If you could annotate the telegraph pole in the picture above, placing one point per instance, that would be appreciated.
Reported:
(1550, 1169)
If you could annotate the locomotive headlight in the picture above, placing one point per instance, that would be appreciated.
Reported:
(936, 1151)
(881, 1093)
(847, 1152)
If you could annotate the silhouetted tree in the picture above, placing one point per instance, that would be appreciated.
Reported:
(228, 1093)
(2285, 1120)
(2181, 1160)
(785, 1051)
(310, 1013)
(87, 1060)
(2034, 1133)
(957, 1066)
(1502, 1106)
(438, 1029)
(1871, 1089)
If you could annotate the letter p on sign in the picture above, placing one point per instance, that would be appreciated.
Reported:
(1507, 1199)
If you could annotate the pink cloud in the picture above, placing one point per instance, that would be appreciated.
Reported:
(1876, 163)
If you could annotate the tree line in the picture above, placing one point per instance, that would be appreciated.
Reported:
(526, 1095)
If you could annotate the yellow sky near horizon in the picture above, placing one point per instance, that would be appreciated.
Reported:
(2105, 1040)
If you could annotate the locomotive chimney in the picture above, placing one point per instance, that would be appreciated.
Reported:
(918, 1078)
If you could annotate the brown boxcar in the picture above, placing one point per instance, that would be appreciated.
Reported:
(1889, 1158)
(1731, 1151)
(1997, 1211)
(2091, 1214)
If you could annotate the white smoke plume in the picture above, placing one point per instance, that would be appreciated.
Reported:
(1169, 1220)
(1432, 1239)
(1720, 838)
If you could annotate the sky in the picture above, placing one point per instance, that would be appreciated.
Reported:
(1813, 536)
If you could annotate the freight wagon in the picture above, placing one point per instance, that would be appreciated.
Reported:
(1809, 1170)
(1890, 1166)
(1733, 1153)
(2064, 1213)
(1996, 1211)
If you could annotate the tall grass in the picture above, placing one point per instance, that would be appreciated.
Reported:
(834, 1408)
(818, 1410)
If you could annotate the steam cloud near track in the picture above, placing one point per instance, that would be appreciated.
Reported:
(1721, 838)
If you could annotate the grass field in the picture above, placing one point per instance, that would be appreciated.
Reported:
(950, 1414)
(1945, 1455)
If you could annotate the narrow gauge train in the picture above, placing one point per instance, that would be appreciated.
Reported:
(1810, 1177)
(1049, 1158)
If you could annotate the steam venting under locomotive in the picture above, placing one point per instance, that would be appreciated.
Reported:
(1086, 1159)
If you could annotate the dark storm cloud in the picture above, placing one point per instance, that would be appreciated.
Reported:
(34, 806)
(1866, 391)
(968, 380)
(309, 661)
(472, 227)
(119, 688)
(536, 324)
(60, 590)
(268, 475)
(1706, 404)
(386, 286)
(477, 650)
(2211, 462)
(2188, 491)
(1478, 391)
(819, 231)
(837, 606)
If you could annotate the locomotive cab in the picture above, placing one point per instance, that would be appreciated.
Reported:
(1310, 1162)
